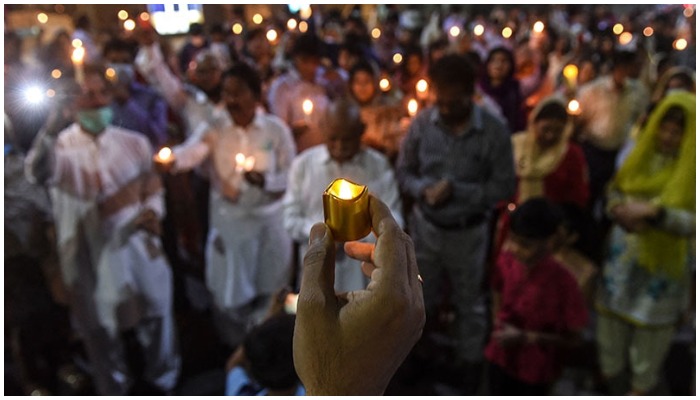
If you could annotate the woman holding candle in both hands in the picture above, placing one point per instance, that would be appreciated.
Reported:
(247, 157)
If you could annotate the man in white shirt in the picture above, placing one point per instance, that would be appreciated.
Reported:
(107, 205)
(341, 156)
(246, 154)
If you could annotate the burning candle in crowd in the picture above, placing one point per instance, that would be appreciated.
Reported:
(384, 84)
(164, 159)
(308, 107)
(422, 89)
(243, 163)
(571, 74)
(292, 24)
(574, 108)
(538, 27)
(376, 33)
(412, 107)
(346, 210)
(478, 30)
(78, 57)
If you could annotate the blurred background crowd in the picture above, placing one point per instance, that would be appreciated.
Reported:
(596, 74)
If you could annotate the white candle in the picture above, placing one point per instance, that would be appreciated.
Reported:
(412, 107)
(422, 89)
(78, 57)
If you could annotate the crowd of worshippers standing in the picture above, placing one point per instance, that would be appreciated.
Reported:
(524, 188)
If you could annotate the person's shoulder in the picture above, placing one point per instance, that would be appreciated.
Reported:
(559, 273)
(492, 123)
(128, 136)
(375, 157)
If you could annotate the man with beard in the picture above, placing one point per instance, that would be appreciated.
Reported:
(456, 164)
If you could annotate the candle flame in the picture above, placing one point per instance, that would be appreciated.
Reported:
(240, 159)
(570, 71)
(249, 163)
(455, 31)
(78, 55)
(412, 107)
(165, 154)
(384, 84)
(574, 107)
(422, 86)
(307, 106)
(479, 30)
(538, 27)
(292, 24)
(345, 190)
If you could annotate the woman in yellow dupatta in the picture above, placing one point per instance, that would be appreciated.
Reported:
(647, 276)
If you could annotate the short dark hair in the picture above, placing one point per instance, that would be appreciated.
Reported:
(361, 66)
(248, 75)
(268, 348)
(451, 70)
(308, 45)
(676, 115)
(536, 218)
(624, 58)
(117, 44)
(552, 110)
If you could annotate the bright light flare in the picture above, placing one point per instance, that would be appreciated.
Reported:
(56, 73)
(307, 106)
(397, 58)
(625, 38)
(376, 33)
(455, 31)
(618, 29)
(42, 18)
(303, 26)
(507, 32)
(574, 108)
(384, 85)
(237, 28)
(76, 43)
(129, 25)
(538, 27)
(123, 15)
(680, 44)
(34, 95)
(479, 30)
(648, 31)
(292, 24)
(412, 107)
(271, 35)
(257, 19)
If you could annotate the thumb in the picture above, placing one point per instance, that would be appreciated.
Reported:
(318, 272)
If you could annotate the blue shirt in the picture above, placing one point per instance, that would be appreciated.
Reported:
(239, 384)
(145, 112)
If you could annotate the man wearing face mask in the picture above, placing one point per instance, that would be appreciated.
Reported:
(456, 164)
(135, 107)
(107, 205)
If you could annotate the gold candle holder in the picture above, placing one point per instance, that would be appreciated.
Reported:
(346, 210)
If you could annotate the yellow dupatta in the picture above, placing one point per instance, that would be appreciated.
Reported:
(532, 163)
(673, 185)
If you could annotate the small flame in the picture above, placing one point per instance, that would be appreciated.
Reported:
(240, 159)
(479, 30)
(249, 163)
(422, 86)
(345, 190)
(384, 84)
(570, 72)
(78, 55)
(538, 27)
(412, 107)
(165, 154)
(574, 107)
(307, 106)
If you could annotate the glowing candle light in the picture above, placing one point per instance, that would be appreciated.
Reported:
(455, 31)
(346, 210)
(129, 25)
(571, 74)
(307, 106)
(42, 18)
(77, 43)
(249, 164)
(78, 57)
(574, 108)
(122, 15)
(680, 44)
(164, 159)
(397, 58)
(507, 32)
(384, 85)
(271, 35)
(618, 29)
(538, 27)
(479, 30)
(305, 12)
(50, 93)
(292, 24)
(56, 73)
(422, 89)
(303, 26)
(240, 162)
(625, 38)
(111, 74)
(376, 33)
(144, 16)
(412, 107)
(648, 31)
(257, 19)
(237, 28)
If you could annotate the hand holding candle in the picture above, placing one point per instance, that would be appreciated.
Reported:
(78, 56)
(346, 210)
(243, 163)
(308, 107)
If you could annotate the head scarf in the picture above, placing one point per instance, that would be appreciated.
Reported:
(532, 163)
(673, 185)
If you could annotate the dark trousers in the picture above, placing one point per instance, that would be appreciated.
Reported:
(503, 384)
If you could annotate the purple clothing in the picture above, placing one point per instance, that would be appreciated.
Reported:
(145, 112)
(511, 101)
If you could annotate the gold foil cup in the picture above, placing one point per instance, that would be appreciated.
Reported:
(346, 210)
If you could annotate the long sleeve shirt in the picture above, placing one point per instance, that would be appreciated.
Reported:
(478, 162)
(145, 112)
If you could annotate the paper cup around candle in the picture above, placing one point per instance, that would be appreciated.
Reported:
(346, 210)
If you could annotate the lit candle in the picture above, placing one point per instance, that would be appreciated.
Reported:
(412, 107)
(240, 162)
(77, 57)
(422, 89)
(574, 108)
(538, 27)
(346, 210)
(164, 159)
(292, 24)
(384, 85)
(308, 107)
(571, 73)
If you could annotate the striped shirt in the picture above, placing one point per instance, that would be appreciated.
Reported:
(478, 162)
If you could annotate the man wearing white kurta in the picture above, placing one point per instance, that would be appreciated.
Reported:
(107, 204)
(247, 154)
(339, 157)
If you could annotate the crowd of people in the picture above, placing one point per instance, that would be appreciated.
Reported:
(532, 176)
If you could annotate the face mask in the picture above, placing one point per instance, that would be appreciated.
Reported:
(124, 72)
(95, 120)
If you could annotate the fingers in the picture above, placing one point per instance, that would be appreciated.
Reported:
(390, 251)
(360, 251)
(318, 274)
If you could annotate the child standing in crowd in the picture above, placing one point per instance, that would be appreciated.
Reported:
(538, 309)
